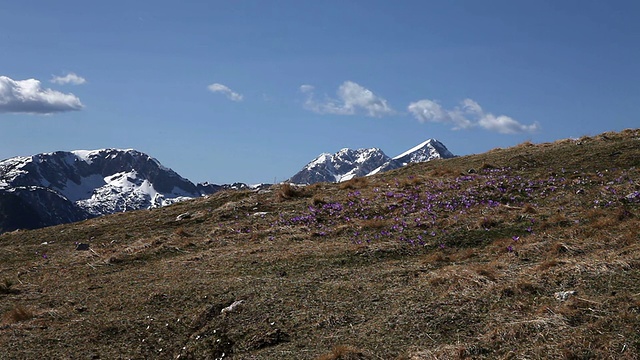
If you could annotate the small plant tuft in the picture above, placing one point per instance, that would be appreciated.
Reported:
(318, 199)
(6, 287)
(488, 223)
(624, 214)
(442, 172)
(288, 191)
(17, 314)
(343, 352)
(548, 264)
(527, 143)
(182, 232)
(375, 223)
(411, 181)
(529, 209)
(487, 166)
(355, 183)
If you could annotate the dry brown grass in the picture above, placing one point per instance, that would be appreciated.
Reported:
(17, 314)
(182, 232)
(548, 264)
(440, 172)
(6, 287)
(289, 191)
(375, 223)
(313, 278)
(343, 352)
(318, 199)
(529, 209)
(487, 166)
(411, 181)
(355, 183)
(488, 223)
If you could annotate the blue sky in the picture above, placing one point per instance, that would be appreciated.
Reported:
(250, 91)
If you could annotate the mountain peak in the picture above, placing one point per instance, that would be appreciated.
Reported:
(340, 166)
(65, 186)
(425, 151)
(349, 163)
(88, 155)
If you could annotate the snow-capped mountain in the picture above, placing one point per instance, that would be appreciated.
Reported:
(60, 187)
(426, 151)
(341, 166)
(347, 163)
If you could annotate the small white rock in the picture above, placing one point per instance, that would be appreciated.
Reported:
(232, 307)
(564, 295)
(183, 216)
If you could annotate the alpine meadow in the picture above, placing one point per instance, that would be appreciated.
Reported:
(528, 252)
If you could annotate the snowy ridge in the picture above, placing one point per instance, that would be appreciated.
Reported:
(321, 159)
(341, 166)
(426, 151)
(347, 163)
(84, 155)
(413, 149)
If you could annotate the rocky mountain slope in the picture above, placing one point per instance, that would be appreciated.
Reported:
(347, 163)
(61, 187)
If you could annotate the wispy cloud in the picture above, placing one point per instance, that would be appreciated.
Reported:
(307, 88)
(352, 99)
(223, 89)
(431, 111)
(468, 114)
(70, 78)
(28, 96)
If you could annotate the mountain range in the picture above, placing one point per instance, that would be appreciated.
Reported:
(348, 163)
(68, 186)
(61, 187)
(535, 254)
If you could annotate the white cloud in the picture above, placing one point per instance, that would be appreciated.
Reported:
(471, 107)
(230, 94)
(506, 125)
(306, 88)
(467, 115)
(431, 111)
(27, 96)
(70, 78)
(352, 99)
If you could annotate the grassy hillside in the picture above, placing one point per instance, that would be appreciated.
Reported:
(528, 252)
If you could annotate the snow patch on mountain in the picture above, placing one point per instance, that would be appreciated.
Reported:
(77, 191)
(321, 159)
(426, 151)
(126, 191)
(413, 149)
(85, 155)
